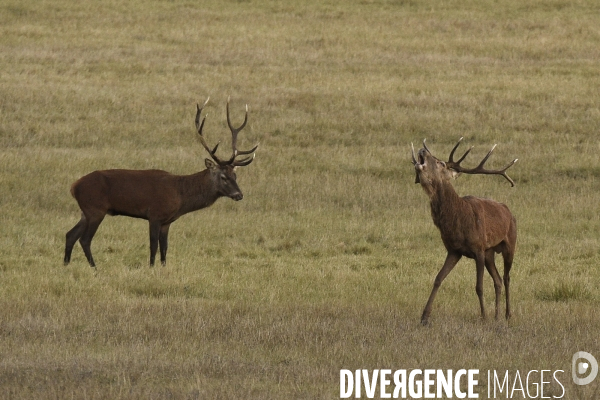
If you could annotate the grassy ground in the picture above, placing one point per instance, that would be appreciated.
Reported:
(327, 262)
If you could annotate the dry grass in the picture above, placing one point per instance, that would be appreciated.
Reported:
(328, 261)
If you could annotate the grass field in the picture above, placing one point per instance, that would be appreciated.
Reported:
(328, 261)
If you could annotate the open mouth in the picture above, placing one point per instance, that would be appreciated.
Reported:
(418, 162)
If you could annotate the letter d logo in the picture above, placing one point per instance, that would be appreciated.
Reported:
(582, 367)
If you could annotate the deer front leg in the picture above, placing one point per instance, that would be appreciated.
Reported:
(480, 264)
(451, 260)
(154, 235)
(164, 243)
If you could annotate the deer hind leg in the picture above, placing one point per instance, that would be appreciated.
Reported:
(507, 254)
(93, 222)
(164, 243)
(451, 260)
(490, 265)
(73, 236)
(480, 265)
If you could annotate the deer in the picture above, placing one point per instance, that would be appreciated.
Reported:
(473, 227)
(155, 195)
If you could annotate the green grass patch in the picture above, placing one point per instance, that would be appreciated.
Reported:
(565, 292)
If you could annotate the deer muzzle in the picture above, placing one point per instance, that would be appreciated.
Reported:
(237, 196)
(419, 163)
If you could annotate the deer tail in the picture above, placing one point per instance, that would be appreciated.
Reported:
(74, 188)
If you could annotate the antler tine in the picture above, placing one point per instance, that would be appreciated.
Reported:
(243, 162)
(199, 127)
(244, 152)
(508, 178)
(426, 148)
(235, 131)
(464, 155)
(451, 158)
(414, 159)
(481, 170)
(487, 156)
(199, 110)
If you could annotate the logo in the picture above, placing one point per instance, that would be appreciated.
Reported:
(581, 368)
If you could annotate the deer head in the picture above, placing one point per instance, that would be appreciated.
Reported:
(223, 171)
(431, 171)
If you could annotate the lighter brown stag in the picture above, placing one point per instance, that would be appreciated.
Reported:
(155, 195)
(470, 226)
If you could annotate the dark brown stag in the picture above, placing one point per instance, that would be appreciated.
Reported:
(470, 226)
(155, 195)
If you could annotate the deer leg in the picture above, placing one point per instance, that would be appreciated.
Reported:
(451, 260)
(490, 265)
(73, 236)
(154, 235)
(88, 235)
(480, 265)
(164, 243)
(508, 260)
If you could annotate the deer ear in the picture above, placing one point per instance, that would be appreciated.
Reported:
(454, 173)
(210, 164)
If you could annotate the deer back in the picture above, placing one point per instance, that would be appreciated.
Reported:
(134, 193)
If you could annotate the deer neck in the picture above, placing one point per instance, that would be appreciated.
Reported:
(197, 191)
(447, 207)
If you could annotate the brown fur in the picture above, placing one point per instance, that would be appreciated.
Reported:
(153, 195)
(470, 226)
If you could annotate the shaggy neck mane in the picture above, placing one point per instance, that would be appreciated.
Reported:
(446, 206)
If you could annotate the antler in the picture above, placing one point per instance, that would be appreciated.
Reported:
(199, 127)
(412, 149)
(234, 132)
(455, 165)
